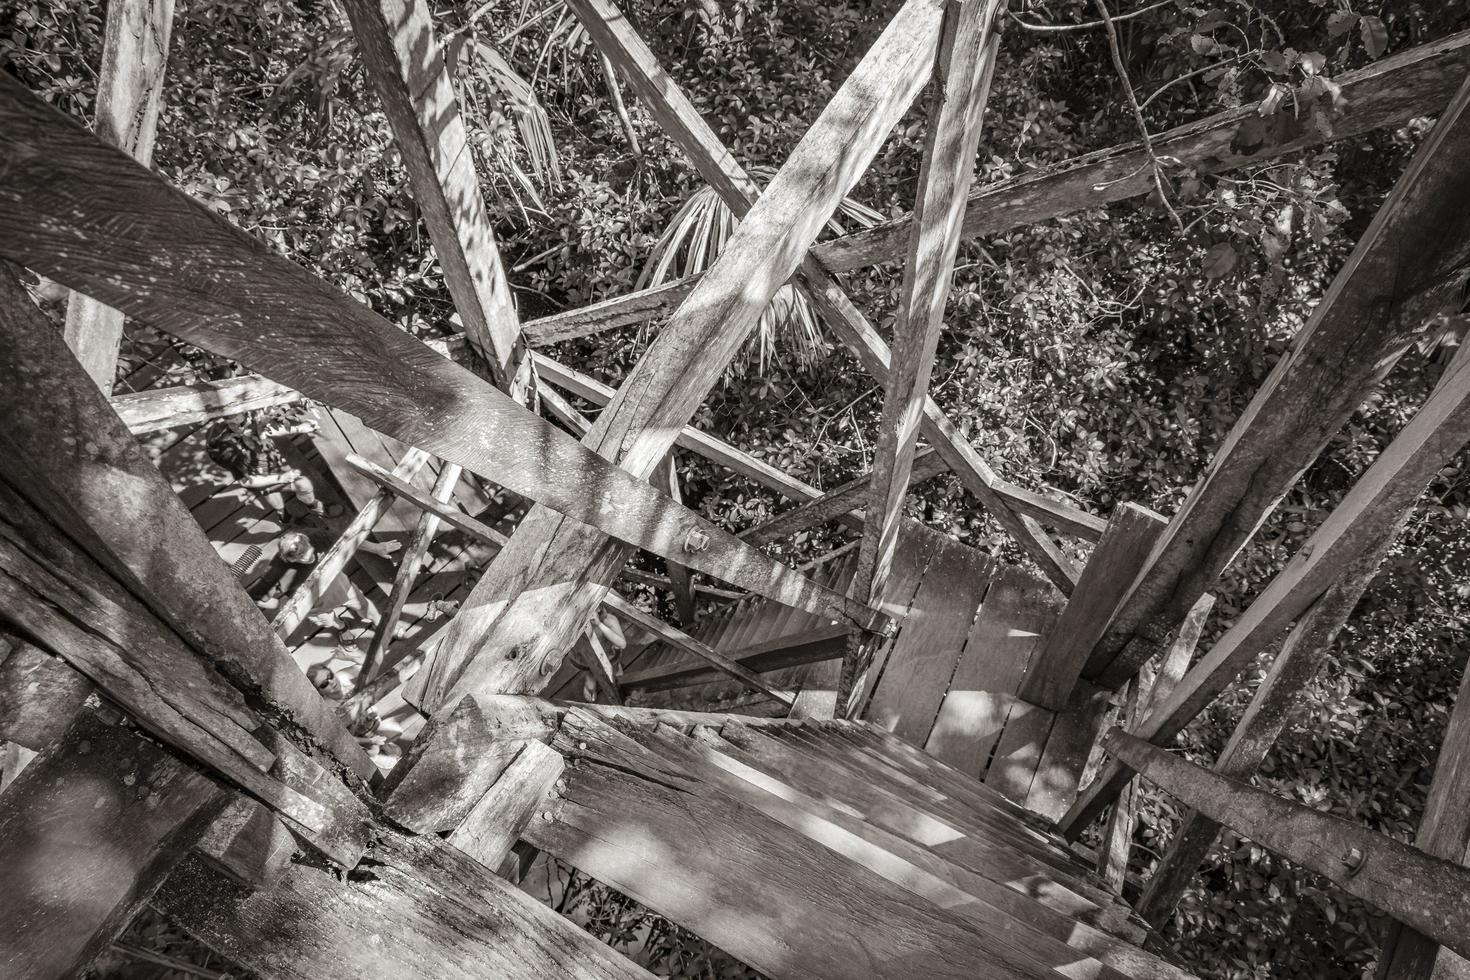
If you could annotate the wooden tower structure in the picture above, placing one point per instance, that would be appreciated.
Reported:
(870, 766)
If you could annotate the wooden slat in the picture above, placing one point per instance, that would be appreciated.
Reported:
(1074, 732)
(423, 910)
(129, 93)
(538, 592)
(1387, 92)
(1119, 556)
(75, 208)
(164, 408)
(87, 833)
(968, 48)
(495, 823)
(402, 57)
(1408, 266)
(1018, 611)
(67, 453)
(1389, 487)
(1425, 892)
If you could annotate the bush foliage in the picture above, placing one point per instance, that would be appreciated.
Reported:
(1101, 356)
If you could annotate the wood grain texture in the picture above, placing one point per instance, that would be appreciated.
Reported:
(39, 693)
(1410, 265)
(417, 908)
(403, 58)
(164, 408)
(539, 591)
(495, 823)
(66, 452)
(89, 830)
(1018, 611)
(1119, 556)
(968, 48)
(1073, 733)
(129, 94)
(1418, 889)
(1388, 92)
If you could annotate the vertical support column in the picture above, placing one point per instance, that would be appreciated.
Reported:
(129, 92)
(682, 581)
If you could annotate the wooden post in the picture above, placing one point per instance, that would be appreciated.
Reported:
(495, 823)
(87, 833)
(968, 47)
(1118, 557)
(667, 475)
(129, 92)
(536, 595)
(1407, 267)
(402, 57)
(1424, 892)
(1390, 487)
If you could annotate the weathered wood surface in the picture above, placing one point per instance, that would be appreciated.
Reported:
(39, 693)
(680, 578)
(164, 408)
(403, 58)
(495, 823)
(1409, 265)
(968, 48)
(1119, 556)
(1390, 486)
(89, 830)
(129, 94)
(772, 898)
(1306, 647)
(539, 591)
(787, 650)
(249, 843)
(1425, 892)
(1388, 92)
(1019, 610)
(88, 216)
(417, 908)
(66, 452)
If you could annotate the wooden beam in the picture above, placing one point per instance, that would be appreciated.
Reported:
(39, 694)
(807, 646)
(89, 217)
(1389, 487)
(1444, 832)
(65, 452)
(844, 501)
(495, 823)
(163, 408)
(402, 56)
(129, 93)
(87, 833)
(680, 579)
(1388, 92)
(1410, 264)
(1120, 555)
(968, 47)
(613, 34)
(1306, 647)
(419, 908)
(1424, 892)
(538, 592)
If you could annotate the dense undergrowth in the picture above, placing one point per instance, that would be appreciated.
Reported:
(1101, 356)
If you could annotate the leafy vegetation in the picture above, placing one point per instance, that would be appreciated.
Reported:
(1101, 357)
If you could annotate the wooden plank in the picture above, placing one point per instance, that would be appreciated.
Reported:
(787, 906)
(495, 823)
(667, 475)
(248, 843)
(403, 58)
(918, 547)
(1385, 93)
(39, 694)
(790, 650)
(164, 408)
(76, 208)
(1018, 610)
(1118, 558)
(907, 698)
(1424, 892)
(1307, 645)
(1390, 487)
(968, 48)
(1408, 266)
(67, 453)
(129, 93)
(540, 589)
(1073, 734)
(422, 910)
(89, 830)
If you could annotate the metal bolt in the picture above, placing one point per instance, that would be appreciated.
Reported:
(1354, 861)
(546, 815)
(696, 541)
(581, 746)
